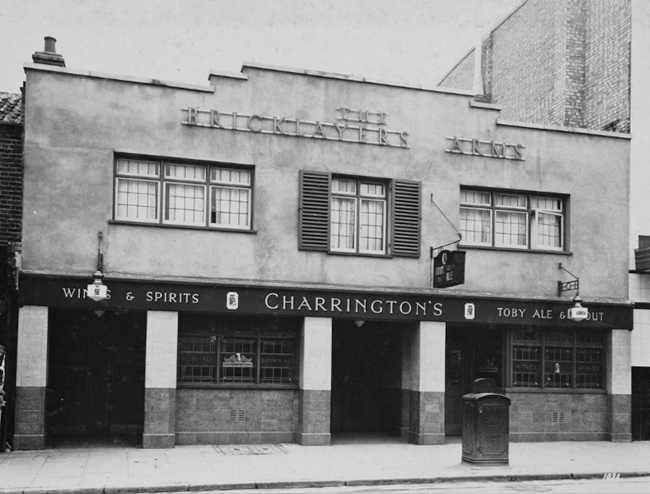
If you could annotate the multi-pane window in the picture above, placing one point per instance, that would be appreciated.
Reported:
(565, 359)
(354, 215)
(358, 216)
(511, 220)
(168, 193)
(237, 351)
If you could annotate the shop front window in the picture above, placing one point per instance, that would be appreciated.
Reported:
(243, 351)
(561, 359)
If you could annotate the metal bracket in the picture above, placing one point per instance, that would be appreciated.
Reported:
(568, 285)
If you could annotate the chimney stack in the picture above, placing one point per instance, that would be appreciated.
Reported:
(49, 56)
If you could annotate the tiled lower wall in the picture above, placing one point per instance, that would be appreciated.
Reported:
(236, 416)
(559, 417)
(29, 430)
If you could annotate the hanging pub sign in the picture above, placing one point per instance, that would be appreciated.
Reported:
(449, 269)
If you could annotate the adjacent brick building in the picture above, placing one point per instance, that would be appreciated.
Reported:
(11, 203)
(582, 64)
(563, 62)
(11, 168)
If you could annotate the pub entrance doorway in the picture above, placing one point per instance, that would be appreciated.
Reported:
(96, 365)
(470, 353)
(366, 379)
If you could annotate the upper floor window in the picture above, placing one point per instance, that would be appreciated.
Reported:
(168, 193)
(512, 220)
(358, 216)
(346, 214)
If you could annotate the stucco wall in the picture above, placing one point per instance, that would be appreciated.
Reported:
(75, 124)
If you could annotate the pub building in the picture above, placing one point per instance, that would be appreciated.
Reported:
(285, 255)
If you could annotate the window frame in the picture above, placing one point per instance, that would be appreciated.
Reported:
(402, 215)
(162, 183)
(542, 344)
(532, 213)
(358, 198)
(246, 329)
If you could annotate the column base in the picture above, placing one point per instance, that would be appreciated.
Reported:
(158, 441)
(426, 439)
(313, 439)
(29, 428)
(24, 442)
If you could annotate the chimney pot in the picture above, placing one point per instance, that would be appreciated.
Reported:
(50, 44)
(49, 56)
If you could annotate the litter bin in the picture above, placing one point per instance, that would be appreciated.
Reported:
(486, 424)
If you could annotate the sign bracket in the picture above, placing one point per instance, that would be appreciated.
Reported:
(568, 285)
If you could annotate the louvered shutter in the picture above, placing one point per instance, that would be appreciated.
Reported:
(406, 218)
(314, 211)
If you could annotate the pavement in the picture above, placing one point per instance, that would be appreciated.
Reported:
(352, 462)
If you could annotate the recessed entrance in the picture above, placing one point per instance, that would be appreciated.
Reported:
(366, 378)
(95, 392)
(470, 354)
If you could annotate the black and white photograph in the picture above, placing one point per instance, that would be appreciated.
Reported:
(324, 246)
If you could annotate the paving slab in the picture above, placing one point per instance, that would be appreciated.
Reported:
(206, 467)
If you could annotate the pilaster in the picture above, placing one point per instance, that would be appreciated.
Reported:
(315, 382)
(160, 380)
(31, 378)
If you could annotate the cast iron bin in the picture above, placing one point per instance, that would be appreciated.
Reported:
(486, 424)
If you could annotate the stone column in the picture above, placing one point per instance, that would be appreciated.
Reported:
(619, 384)
(31, 378)
(425, 375)
(315, 382)
(160, 380)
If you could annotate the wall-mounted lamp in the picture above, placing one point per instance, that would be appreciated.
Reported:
(359, 323)
(576, 313)
(97, 290)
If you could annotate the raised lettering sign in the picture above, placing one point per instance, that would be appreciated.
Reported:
(489, 149)
(298, 127)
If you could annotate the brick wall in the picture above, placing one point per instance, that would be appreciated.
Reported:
(559, 417)
(561, 62)
(607, 81)
(237, 416)
(574, 60)
(461, 76)
(527, 49)
(11, 182)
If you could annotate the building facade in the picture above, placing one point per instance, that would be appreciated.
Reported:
(275, 257)
(581, 64)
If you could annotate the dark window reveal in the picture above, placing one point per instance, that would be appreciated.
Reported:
(564, 359)
(237, 350)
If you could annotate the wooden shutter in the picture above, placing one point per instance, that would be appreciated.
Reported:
(314, 211)
(406, 218)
